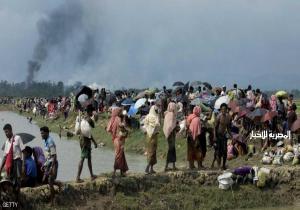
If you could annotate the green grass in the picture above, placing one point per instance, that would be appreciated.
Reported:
(189, 197)
(298, 105)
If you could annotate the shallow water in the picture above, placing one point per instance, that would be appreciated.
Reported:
(68, 151)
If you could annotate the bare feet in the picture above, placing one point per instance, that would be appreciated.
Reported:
(167, 169)
(78, 180)
(152, 171)
(201, 167)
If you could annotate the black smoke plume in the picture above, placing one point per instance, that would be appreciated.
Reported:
(54, 30)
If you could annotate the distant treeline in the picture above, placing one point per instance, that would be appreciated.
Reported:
(36, 89)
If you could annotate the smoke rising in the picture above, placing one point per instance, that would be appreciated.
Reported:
(54, 31)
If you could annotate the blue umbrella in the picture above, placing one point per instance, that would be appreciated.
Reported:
(127, 102)
(132, 111)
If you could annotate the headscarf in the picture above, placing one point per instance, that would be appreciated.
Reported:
(170, 119)
(151, 121)
(180, 107)
(273, 103)
(114, 122)
(193, 122)
(39, 154)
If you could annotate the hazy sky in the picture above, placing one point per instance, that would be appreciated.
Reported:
(142, 43)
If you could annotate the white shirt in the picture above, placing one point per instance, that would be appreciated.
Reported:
(18, 147)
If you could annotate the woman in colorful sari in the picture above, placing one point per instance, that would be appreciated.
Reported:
(152, 125)
(119, 134)
(194, 150)
(170, 125)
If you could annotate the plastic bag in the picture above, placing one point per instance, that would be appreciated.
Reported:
(288, 157)
(277, 160)
(262, 179)
(85, 128)
(295, 161)
(77, 126)
(266, 160)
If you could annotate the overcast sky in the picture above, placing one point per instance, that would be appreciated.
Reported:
(142, 43)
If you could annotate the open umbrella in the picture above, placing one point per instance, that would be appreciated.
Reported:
(268, 116)
(209, 100)
(118, 92)
(127, 102)
(220, 101)
(257, 114)
(177, 89)
(281, 94)
(140, 95)
(150, 91)
(296, 125)
(196, 83)
(206, 84)
(198, 102)
(178, 83)
(186, 87)
(26, 137)
(243, 112)
(139, 103)
(132, 111)
(84, 93)
(84, 90)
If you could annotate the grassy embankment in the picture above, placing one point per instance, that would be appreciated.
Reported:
(175, 190)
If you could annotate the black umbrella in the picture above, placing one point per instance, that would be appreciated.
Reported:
(206, 84)
(26, 137)
(178, 83)
(118, 92)
(83, 90)
(186, 87)
(257, 114)
(196, 83)
(177, 89)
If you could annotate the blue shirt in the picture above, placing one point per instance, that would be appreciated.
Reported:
(50, 147)
(30, 166)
